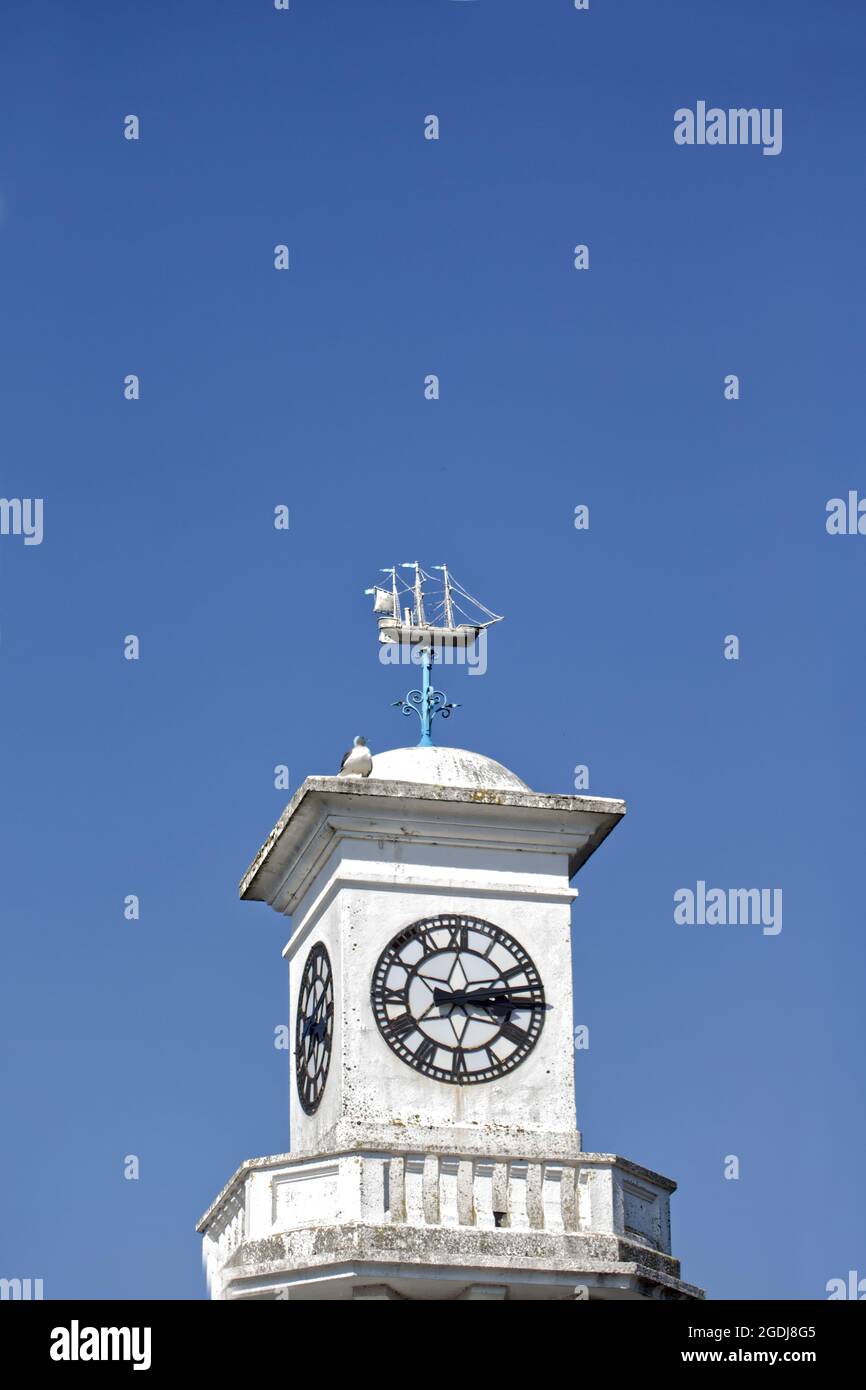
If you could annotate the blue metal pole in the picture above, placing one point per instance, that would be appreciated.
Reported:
(426, 700)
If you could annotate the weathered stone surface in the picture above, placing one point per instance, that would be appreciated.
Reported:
(444, 767)
(426, 1220)
(584, 819)
(416, 1263)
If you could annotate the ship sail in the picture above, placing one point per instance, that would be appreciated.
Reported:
(383, 602)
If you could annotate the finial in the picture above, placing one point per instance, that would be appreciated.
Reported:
(426, 702)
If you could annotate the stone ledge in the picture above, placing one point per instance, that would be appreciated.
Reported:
(314, 1260)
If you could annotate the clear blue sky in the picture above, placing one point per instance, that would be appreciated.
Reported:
(306, 388)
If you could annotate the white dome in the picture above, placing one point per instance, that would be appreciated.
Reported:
(444, 767)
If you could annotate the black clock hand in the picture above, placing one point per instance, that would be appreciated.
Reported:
(312, 1024)
(314, 1037)
(498, 1000)
(444, 996)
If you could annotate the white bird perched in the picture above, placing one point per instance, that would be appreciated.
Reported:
(358, 762)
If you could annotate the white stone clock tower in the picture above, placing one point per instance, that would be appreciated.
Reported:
(435, 1153)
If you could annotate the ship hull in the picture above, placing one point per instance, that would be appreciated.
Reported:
(390, 630)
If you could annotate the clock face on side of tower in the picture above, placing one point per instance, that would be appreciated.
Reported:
(458, 999)
(314, 1029)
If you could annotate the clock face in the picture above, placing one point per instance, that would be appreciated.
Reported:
(314, 1029)
(458, 999)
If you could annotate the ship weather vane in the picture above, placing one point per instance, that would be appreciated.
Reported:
(400, 609)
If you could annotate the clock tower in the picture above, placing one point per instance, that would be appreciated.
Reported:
(434, 1144)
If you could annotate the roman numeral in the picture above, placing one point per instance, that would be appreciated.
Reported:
(514, 1034)
(458, 1062)
(426, 1052)
(401, 1025)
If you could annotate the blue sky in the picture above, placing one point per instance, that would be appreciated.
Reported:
(305, 388)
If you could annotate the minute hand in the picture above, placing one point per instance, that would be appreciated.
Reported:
(497, 999)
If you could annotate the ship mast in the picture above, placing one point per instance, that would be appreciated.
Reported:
(419, 597)
(449, 606)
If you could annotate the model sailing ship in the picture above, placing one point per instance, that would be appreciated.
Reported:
(402, 609)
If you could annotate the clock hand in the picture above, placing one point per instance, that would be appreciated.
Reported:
(314, 1037)
(311, 1021)
(314, 1027)
(488, 992)
(496, 999)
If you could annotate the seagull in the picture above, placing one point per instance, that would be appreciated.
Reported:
(358, 761)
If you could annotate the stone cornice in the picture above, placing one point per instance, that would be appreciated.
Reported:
(325, 809)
